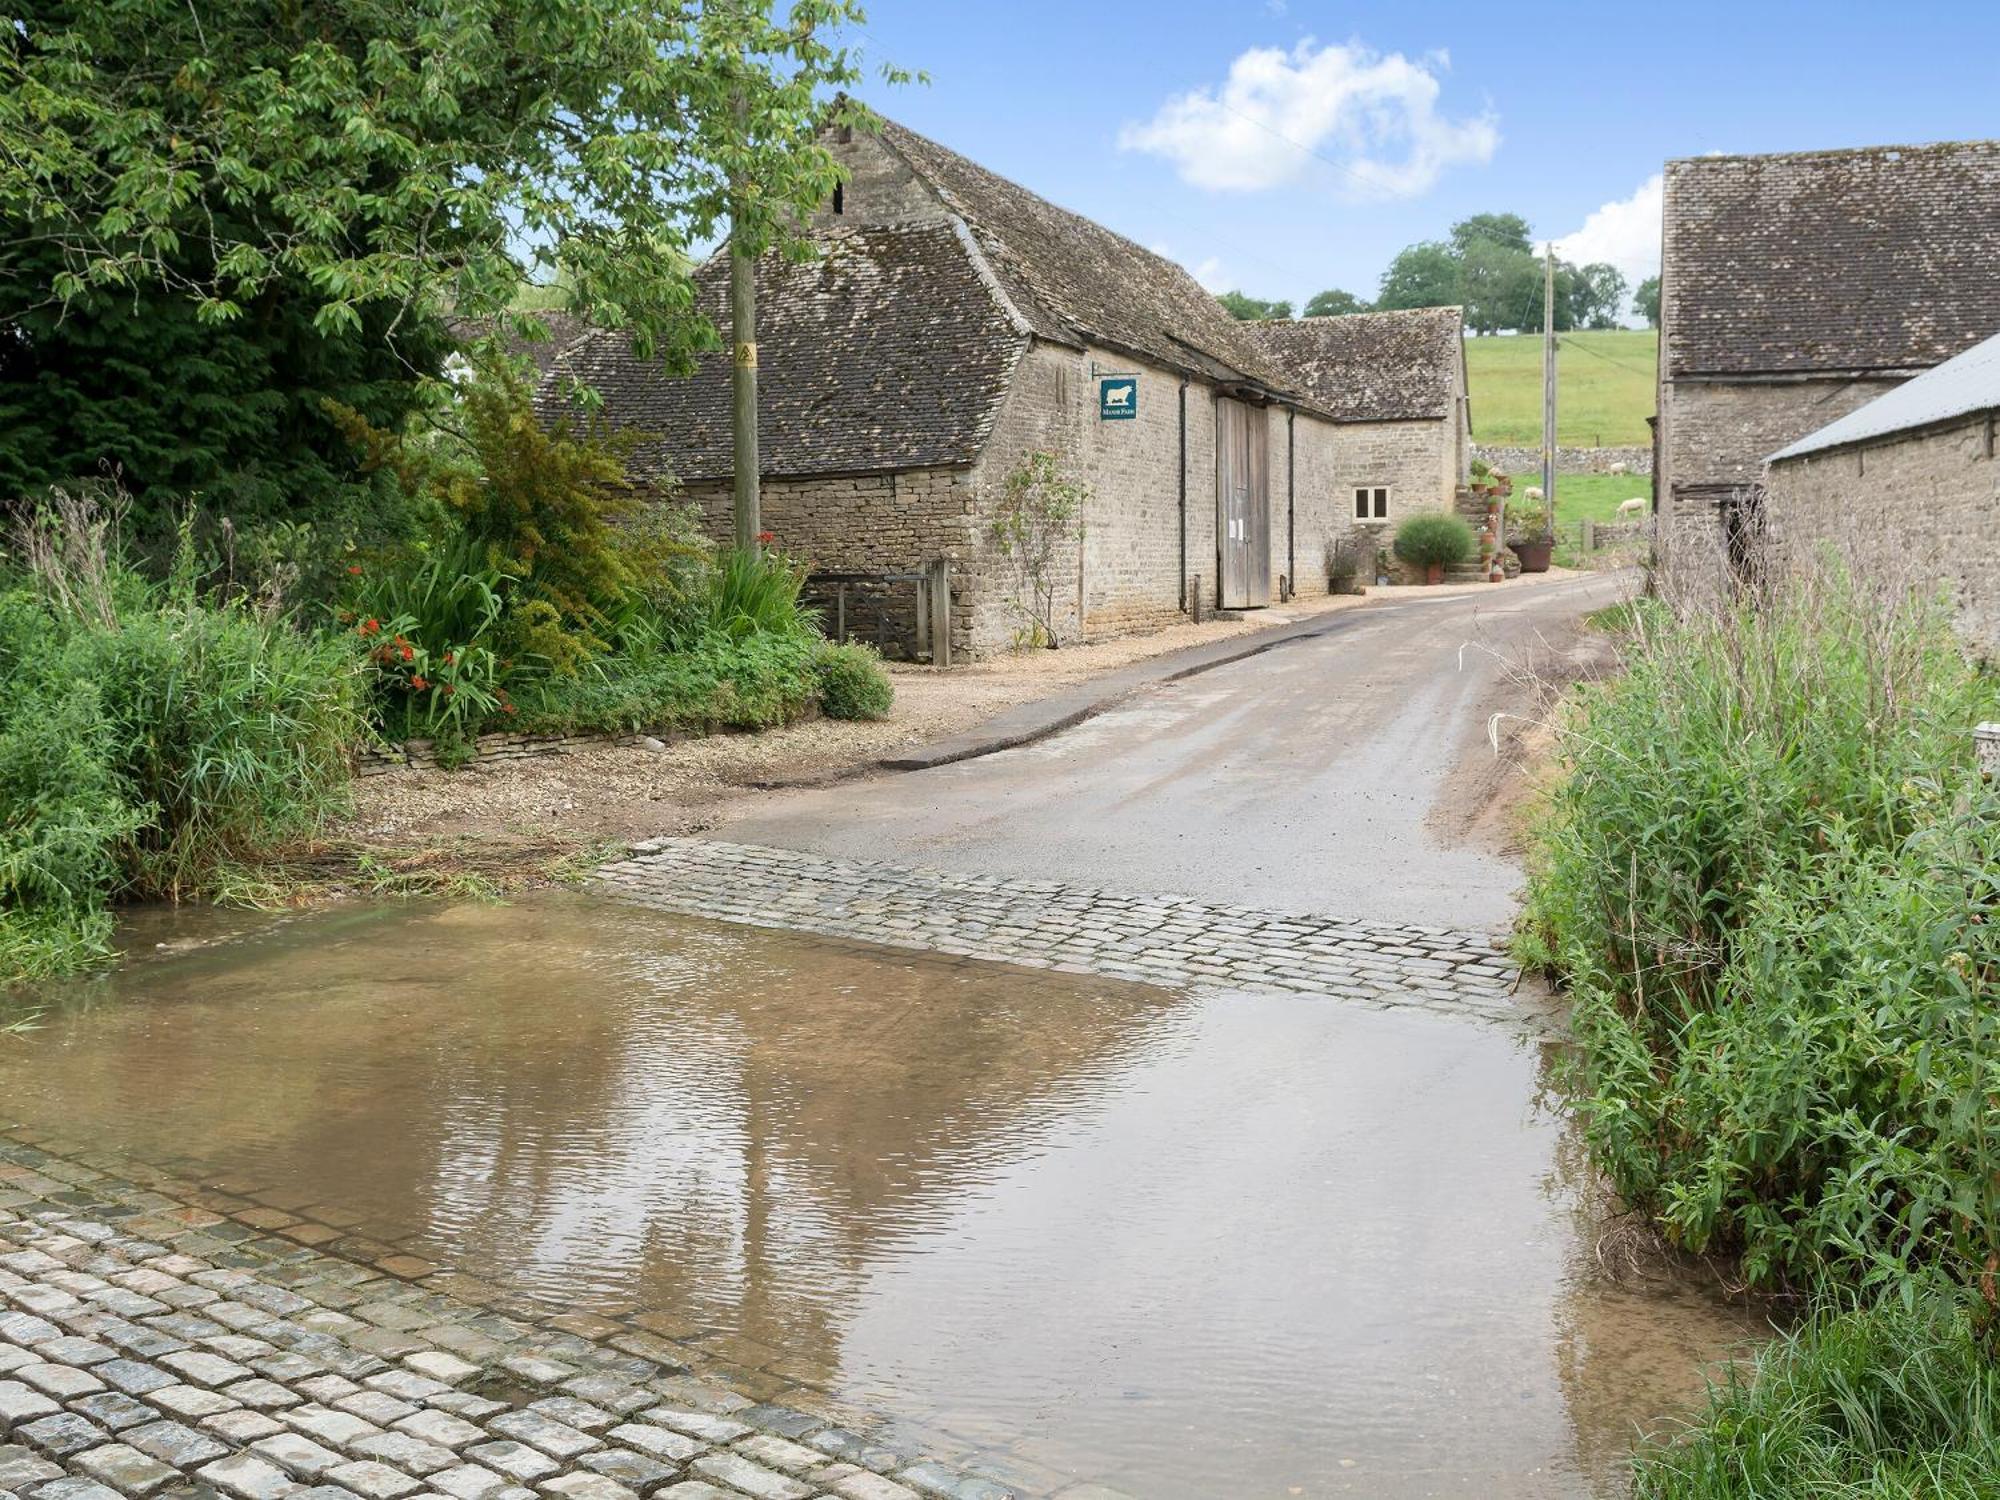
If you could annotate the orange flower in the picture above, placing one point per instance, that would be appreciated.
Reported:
(418, 682)
(354, 570)
(370, 627)
(408, 654)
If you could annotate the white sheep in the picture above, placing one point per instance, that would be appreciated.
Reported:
(1621, 467)
(1636, 506)
(1532, 492)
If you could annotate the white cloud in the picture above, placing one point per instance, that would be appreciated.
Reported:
(1281, 117)
(1624, 233)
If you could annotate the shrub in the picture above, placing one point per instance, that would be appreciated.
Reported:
(1768, 876)
(742, 593)
(852, 684)
(1896, 1401)
(717, 682)
(1039, 513)
(1434, 539)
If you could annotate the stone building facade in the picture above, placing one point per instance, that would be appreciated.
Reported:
(955, 323)
(1796, 289)
(1911, 478)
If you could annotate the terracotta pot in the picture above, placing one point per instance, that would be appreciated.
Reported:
(1434, 573)
(1534, 555)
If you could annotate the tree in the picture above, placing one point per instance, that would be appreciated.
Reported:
(292, 196)
(1502, 231)
(1424, 275)
(1647, 301)
(1250, 309)
(1333, 303)
(1502, 287)
(1599, 296)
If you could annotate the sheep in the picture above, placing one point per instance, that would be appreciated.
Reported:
(1636, 506)
(1532, 492)
(1621, 467)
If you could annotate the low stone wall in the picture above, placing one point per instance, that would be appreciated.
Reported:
(1525, 463)
(421, 755)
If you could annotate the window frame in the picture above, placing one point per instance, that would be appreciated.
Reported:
(1371, 501)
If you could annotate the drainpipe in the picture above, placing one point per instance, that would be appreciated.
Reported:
(1184, 597)
(1291, 502)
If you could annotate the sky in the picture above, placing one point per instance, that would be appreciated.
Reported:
(1281, 147)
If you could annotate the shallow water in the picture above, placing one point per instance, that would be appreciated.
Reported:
(1229, 1246)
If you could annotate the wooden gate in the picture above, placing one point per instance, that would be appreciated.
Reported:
(1243, 504)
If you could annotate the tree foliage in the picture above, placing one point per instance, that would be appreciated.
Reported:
(1250, 309)
(283, 200)
(1334, 303)
(1646, 301)
(1489, 267)
(1424, 275)
(1039, 516)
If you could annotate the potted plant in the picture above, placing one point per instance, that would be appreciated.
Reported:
(1343, 569)
(1529, 536)
(1434, 541)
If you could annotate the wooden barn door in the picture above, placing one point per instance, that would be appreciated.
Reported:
(1243, 504)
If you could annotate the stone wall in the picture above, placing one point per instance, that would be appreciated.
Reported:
(421, 755)
(869, 522)
(1933, 497)
(1525, 464)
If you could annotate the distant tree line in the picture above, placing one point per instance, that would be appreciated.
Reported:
(1488, 266)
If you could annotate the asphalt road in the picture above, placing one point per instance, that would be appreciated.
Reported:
(1345, 773)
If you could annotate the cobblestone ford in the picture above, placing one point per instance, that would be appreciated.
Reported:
(154, 1349)
(1046, 924)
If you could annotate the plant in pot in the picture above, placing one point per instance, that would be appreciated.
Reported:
(1434, 541)
(1343, 568)
(1529, 536)
(1481, 482)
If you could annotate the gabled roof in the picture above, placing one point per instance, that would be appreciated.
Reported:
(890, 351)
(1077, 282)
(1831, 261)
(1957, 388)
(1373, 367)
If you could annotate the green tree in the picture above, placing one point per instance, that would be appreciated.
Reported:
(1252, 308)
(1334, 303)
(1424, 275)
(1599, 295)
(1502, 287)
(291, 196)
(1502, 231)
(1646, 299)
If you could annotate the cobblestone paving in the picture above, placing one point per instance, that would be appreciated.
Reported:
(161, 1340)
(1046, 924)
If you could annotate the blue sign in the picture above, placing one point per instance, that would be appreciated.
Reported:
(1117, 398)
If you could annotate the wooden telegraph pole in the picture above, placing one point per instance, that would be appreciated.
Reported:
(743, 335)
(1549, 384)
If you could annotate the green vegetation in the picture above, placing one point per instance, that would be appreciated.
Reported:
(852, 684)
(1882, 1405)
(1434, 539)
(153, 739)
(1490, 267)
(1768, 878)
(1334, 303)
(1605, 390)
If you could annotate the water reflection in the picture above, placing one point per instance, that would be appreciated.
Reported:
(1245, 1246)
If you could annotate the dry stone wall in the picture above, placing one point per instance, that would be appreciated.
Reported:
(1932, 496)
(1525, 463)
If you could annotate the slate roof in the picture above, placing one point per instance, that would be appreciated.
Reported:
(891, 351)
(1957, 388)
(1077, 282)
(1875, 259)
(1373, 367)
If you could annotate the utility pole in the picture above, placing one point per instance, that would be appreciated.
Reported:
(743, 335)
(1549, 384)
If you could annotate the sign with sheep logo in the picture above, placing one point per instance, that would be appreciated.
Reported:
(1117, 398)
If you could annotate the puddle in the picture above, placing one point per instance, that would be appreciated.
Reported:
(1242, 1246)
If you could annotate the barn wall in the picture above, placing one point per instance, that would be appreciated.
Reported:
(1929, 501)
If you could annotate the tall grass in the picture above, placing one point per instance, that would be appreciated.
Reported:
(1768, 878)
(1891, 1404)
(151, 740)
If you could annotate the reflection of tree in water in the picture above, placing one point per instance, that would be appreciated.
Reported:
(1635, 1330)
(607, 1106)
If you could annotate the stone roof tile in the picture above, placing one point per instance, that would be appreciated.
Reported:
(1875, 259)
(1372, 367)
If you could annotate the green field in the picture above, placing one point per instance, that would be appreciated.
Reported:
(1604, 388)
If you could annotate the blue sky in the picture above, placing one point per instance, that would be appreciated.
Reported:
(1282, 146)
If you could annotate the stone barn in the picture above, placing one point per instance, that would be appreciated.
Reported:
(1795, 289)
(1911, 476)
(1394, 385)
(955, 323)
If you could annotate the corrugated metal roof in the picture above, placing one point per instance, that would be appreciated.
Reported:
(1956, 388)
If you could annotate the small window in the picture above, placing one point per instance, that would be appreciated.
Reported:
(1371, 502)
(840, 198)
